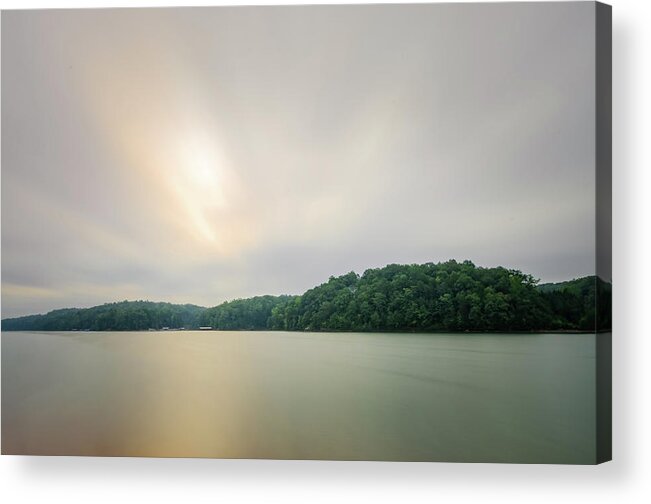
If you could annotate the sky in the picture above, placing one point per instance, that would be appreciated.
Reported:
(199, 155)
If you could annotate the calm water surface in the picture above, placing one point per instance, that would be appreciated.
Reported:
(438, 397)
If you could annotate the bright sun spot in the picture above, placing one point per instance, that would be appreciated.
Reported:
(203, 176)
(200, 181)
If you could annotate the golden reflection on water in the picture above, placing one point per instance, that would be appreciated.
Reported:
(508, 398)
(188, 400)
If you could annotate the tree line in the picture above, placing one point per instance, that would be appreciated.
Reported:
(450, 296)
(122, 316)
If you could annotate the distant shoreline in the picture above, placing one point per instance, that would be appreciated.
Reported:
(448, 297)
(305, 332)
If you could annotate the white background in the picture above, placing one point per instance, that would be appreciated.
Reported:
(626, 479)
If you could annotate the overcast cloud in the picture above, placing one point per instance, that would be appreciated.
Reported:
(203, 154)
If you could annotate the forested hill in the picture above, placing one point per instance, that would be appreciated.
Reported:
(450, 296)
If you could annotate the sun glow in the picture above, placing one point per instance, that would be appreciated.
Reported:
(199, 177)
(168, 145)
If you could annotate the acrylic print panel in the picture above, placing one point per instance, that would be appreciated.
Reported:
(311, 232)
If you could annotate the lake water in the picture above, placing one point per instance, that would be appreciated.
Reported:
(434, 397)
